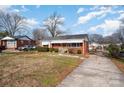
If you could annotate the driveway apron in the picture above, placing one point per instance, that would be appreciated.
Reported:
(96, 71)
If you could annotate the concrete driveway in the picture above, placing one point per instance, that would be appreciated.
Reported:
(96, 71)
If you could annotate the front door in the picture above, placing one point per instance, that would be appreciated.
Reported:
(11, 44)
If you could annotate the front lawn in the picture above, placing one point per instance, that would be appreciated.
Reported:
(35, 69)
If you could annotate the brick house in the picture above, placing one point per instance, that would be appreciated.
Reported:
(15, 42)
(0, 43)
(74, 42)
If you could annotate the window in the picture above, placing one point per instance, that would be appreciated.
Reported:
(77, 44)
(64, 44)
(67, 44)
(73, 44)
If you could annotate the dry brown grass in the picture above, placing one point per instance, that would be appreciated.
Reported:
(34, 69)
(119, 63)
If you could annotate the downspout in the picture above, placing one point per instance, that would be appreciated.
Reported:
(83, 47)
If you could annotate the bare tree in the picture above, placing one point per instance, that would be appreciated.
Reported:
(52, 24)
(117, 37)
(109, 40)
(39, 35)
(3, 33)
(96, 38)
(12, 23)
(120, 33)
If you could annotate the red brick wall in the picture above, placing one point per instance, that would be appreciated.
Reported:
(3, 43)
(21, 43)
(0, 43)
(85, 48)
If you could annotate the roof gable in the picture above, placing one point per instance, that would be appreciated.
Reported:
(78, 36)
(8, 38)
(22, 37)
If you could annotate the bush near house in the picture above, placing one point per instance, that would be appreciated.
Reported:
(79, 52)
(113, 50)
(42, 49)
(46, 49)
(56, 50)
(122, 47)
(31, 49)
(116, 51)
(53, 50)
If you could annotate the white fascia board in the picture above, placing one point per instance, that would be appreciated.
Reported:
(62, 41)
(67, 41)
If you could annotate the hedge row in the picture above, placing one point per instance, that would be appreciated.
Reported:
(114, 50)
(45, 49)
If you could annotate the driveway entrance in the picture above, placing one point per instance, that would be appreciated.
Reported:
(96, 71)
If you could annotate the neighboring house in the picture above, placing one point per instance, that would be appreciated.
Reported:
(0, 41)
(79, 42)
(8, 42)
(97, 46)
(93, 46)
(16, 42)
(24, 40)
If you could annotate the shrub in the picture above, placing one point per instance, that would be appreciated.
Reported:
(53, 50)
(56, 49)
(42, 49)
(79, 52)
(29, 49)
(33, 49)
(122, 47)
(25, 49)
(113, 50)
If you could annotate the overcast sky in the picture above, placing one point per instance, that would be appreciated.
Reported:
(77, 19)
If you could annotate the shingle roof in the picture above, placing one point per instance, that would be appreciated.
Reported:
(78, 36)
(22, 37)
